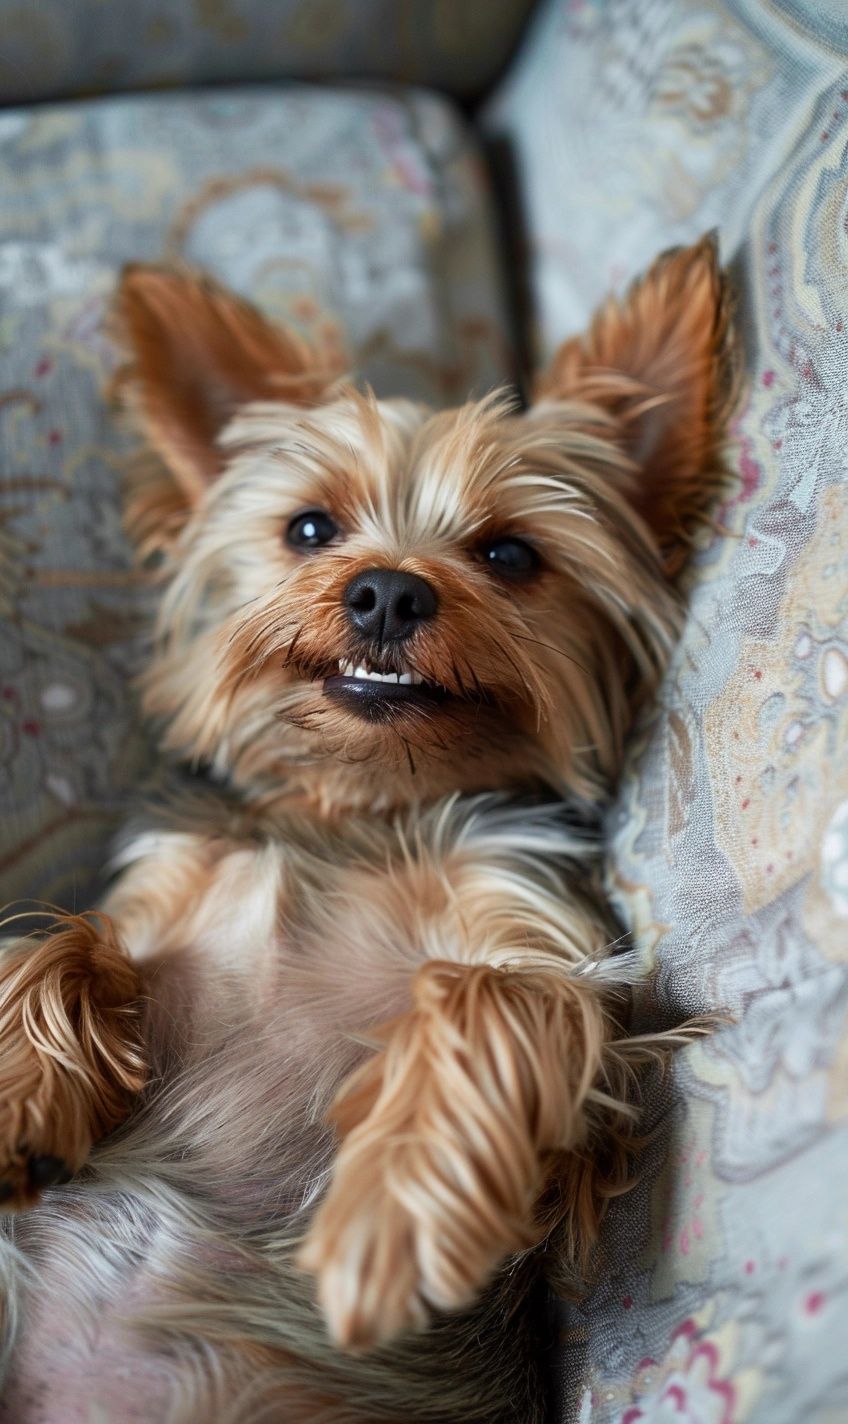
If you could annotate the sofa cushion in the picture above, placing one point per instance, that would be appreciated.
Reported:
(362, 219)
(54, 49)
(724, 1293)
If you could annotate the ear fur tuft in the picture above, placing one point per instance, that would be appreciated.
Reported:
(661, 360)
(196, 353)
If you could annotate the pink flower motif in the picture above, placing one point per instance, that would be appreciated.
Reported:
(688, 1387)
(749, 469)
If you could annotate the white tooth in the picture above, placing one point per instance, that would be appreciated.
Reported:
(342, 665)
(360, 672)
(390, 677)
(407, 677)
(349, 669)
(417, 678)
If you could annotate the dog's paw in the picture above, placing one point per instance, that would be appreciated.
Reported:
(70, 1060)
(379, 1271)
(440, 1162)
(46, 1113)
(27, 1174)
(405, 1232)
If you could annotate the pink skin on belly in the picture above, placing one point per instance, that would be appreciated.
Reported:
(68, 1370)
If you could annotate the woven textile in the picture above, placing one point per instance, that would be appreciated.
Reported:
(724, 1295)
(52, 49)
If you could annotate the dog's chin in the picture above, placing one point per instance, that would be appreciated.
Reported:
(448, 740)
(383, 701)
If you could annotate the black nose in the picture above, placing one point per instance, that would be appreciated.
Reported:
(387, 605)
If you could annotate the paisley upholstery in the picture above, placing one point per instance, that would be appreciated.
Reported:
(634, 127)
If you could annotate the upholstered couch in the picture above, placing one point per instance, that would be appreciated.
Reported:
(364, 211)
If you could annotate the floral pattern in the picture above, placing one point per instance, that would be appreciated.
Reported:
(361, 218)
(635, 128)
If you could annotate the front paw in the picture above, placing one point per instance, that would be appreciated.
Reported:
(371, 1265)
(441, 1159)
(70, 1059)
(46, 1117)
(405, 1231)
(27, 1174)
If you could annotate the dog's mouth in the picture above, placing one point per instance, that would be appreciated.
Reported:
(373, 692)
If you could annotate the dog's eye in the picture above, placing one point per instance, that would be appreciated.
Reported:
(511, 558)
(311, 530)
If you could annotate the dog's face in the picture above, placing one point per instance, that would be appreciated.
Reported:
(366, 594)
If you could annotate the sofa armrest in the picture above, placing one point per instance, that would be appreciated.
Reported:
(66, 48)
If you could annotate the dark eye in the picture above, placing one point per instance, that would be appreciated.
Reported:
(511, 558)
(311, 530)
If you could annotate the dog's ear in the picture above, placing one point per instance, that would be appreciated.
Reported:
(660, 362)
(197, 352)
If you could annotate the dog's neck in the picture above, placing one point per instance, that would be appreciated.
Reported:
(333, 792)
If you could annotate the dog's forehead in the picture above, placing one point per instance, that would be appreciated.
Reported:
(391, 466)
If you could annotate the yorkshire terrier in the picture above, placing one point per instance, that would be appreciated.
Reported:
(347, 1030)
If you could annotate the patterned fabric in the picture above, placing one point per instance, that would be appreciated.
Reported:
(361, 219)
(52, 49)
(637, 126)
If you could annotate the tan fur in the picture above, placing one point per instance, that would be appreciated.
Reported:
(392, 926)
(72, 1061)
(491, 1068)
(663, 363)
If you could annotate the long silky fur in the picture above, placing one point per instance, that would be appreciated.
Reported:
(350, 1032)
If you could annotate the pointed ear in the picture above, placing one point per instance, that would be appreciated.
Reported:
(196, 353)
(660, 362)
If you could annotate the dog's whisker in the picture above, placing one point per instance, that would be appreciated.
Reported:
(560, 652)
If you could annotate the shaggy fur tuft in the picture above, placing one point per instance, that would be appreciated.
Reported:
(72, 1060)
(491, 1069)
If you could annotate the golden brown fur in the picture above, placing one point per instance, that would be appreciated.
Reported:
(386, 919)
(71, 998)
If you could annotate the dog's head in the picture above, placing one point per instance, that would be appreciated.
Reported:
(372, 601)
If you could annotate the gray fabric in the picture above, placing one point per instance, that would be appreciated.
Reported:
(52, 49)
(635, 127)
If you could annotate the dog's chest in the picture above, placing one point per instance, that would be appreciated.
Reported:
(310, 936)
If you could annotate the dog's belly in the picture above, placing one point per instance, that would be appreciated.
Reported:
(186, 1216)
(65, 1374)
(174, 1245)
(162, 1247)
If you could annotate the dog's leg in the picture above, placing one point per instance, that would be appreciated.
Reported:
(449, 1134)
(72, 1057)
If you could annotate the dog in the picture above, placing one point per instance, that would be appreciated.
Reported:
(283, 1124)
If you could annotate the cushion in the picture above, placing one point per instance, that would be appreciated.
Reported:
(361, 218)
(724, 1291)
(53, 49)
